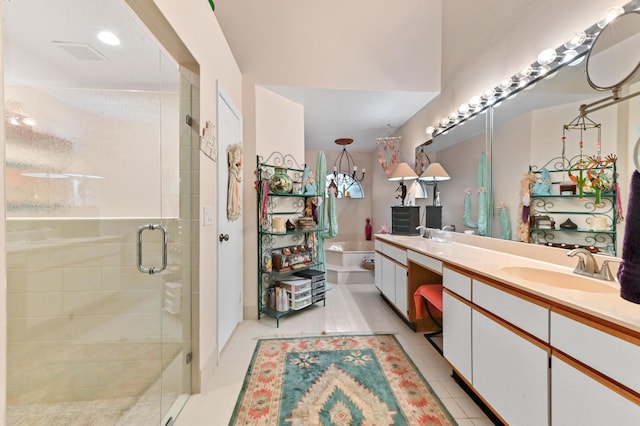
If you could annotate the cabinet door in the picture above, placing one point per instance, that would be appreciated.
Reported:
(578, 399)
(510, 372)
(378, 270)
(401, 290)
(389, 279)
(456, 334)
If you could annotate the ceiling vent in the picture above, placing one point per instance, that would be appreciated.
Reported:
(81, 51)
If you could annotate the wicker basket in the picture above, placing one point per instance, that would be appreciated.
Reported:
(369, 265)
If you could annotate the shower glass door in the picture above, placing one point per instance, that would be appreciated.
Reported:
(98, 194)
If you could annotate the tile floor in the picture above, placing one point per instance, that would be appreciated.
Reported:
(355, 308)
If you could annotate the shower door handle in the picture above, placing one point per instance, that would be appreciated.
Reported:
(152, 269)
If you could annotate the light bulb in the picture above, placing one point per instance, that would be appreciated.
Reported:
(609, 15)
(489, 93)
(475, 101)
(569, 55)
(444, 122)
(429, 130)
(525, 72)
(29, 121)
(543, 70)
(506, 83)
(577, 61)
(547, 56)
(463, 109)
(575, 40)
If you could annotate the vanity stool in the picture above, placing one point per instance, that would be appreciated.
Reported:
(429, 296)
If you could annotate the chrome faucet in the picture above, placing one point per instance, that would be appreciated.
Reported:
(426, 234)
(449, 228)
(586, 262)
(605, 272)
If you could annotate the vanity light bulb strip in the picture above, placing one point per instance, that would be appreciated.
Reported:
(572, 52)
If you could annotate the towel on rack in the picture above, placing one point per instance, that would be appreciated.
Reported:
(629, 272)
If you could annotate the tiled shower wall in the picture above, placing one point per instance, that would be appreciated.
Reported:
(83, 322)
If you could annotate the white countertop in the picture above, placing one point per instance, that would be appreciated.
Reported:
(602, 299)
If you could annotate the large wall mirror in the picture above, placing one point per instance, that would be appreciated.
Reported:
(525, 133)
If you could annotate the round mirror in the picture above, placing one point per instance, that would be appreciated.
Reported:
(615, 54)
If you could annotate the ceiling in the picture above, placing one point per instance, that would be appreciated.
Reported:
(360, 69)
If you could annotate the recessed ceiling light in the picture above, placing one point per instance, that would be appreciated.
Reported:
(107, 37)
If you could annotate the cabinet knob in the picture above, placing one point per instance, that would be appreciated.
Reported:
(223, 237)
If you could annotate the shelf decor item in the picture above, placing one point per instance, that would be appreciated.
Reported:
(280, 182)
(568, 224)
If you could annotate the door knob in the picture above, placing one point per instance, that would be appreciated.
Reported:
(223, 237)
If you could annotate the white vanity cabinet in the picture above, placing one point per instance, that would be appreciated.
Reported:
(511, 366)
(456, 322)
(378, 275)
(595, 373)
(510, 371)
(579, 397)
(391, 275)
(535, 353)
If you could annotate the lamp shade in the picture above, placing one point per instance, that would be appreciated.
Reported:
(435, 172)
(403, 172)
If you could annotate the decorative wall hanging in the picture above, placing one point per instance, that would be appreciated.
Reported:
(389, 153)
(525, 206)
(234, 157)
(208, 143)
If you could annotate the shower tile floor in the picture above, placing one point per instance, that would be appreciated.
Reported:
(355, 308)
(130, 411)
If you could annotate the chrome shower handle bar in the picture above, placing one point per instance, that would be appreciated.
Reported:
(152, 269)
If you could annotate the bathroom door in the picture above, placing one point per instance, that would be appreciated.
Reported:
(97, 170)
(230, 256)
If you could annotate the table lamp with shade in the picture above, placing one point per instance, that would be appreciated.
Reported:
(432, 175)
(402, 173)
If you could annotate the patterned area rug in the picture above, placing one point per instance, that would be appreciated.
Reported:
(336, 380)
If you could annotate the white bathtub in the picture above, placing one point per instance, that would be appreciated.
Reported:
(347, 253)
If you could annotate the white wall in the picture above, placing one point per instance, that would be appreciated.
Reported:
(197, 27)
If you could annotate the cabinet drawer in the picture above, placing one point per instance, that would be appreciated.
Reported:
(426, 261)
(528, 316)
(611, 355)
(378, 245)
(395, 253)
(457, 283)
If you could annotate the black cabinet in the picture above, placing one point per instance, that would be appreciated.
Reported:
(405, 219)
(434, 217)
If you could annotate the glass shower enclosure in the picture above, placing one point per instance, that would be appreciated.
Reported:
(98, 190)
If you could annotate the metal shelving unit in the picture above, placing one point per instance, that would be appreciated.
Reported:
(583, 210)
(289, 206)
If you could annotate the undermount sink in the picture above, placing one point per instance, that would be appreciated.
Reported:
(558, 279)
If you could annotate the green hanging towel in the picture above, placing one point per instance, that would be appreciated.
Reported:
(327, 228)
